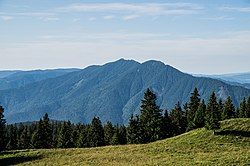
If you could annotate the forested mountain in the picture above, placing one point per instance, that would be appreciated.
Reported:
(16, 79)
(112, 91)
(238, 79)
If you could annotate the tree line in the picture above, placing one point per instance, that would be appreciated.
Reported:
(150, 125)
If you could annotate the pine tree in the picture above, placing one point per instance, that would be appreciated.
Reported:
(122, 135)
(96, 133)
(2, 129)
(167, 127)
(47, 132)
(192, 108)
(212, 120)
(65, 136)
(115, 138)
(228, 110)
(248, 108)
(151, 118)
(134, 131)
(24, 139)
(84, 137)
(199, 119)
(243, 109)
(108, 133)
(12, 135)
(220, 109)
(178, 119)
(37, 136)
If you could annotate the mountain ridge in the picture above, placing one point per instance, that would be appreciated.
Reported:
(112, 91)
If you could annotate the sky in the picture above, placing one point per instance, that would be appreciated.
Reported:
(195, 36)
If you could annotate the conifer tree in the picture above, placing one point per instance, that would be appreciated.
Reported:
(2, 129)
(228, 110)
(47, 132)
(134, 131)
(24, 139)
(37, 136)
(151, 118)
(243, 109)
(192, 108)
(122, 135)
(115, 138)
(248, 108)
(212, 120)
(108, 133)
(220, 109)
(96, 133)
(12, 135)
(178, 119)
(199, 119)
(65, 136)
(167, 125)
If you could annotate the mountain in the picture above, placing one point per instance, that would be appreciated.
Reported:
(239, 79)
(16, 79)
(112, 91)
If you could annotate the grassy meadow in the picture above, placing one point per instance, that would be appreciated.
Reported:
(229, 146)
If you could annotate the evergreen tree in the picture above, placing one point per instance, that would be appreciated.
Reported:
(167, 127)
(178, 119)
(37, 136)
(192, 108)
(243, 109)
(212, 120)
(76, 134)
(151, 118)
(108, 133)
(24, 139)
(2, 129)
(134, 132)
(47, 132)
(228, 110)
(84, 137)
(65, 136)
(220, 109)
(248, 108)
(122, 135)
(96, 133)
(199, 119)
(12, 135)
(115, 138)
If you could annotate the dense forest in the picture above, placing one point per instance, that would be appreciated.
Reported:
(152, 124)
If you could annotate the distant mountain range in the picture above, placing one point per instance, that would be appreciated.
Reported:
(112, 91)
(239, 79)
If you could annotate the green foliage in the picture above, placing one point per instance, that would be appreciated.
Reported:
(2, 129)
(243, 109)
(199, 119)
(178, 119)
(96, 133)
(134, 131)
(197, 147)
(12, 143)
(65, 136)
(42, 137)
(151, 119)
(228, 110)
(108, 133)
(192, 108)
(212, 114)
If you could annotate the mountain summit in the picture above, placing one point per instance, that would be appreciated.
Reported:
(112, 91)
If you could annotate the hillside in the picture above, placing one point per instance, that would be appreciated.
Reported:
(112, 91)
(17, 79)
(197, 147)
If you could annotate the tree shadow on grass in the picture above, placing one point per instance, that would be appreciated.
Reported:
(233, 132)
(18, 159)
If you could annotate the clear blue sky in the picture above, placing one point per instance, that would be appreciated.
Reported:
(195, 36)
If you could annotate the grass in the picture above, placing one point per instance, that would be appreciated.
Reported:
(198, 147)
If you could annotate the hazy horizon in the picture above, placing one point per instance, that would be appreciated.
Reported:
(197, 37)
